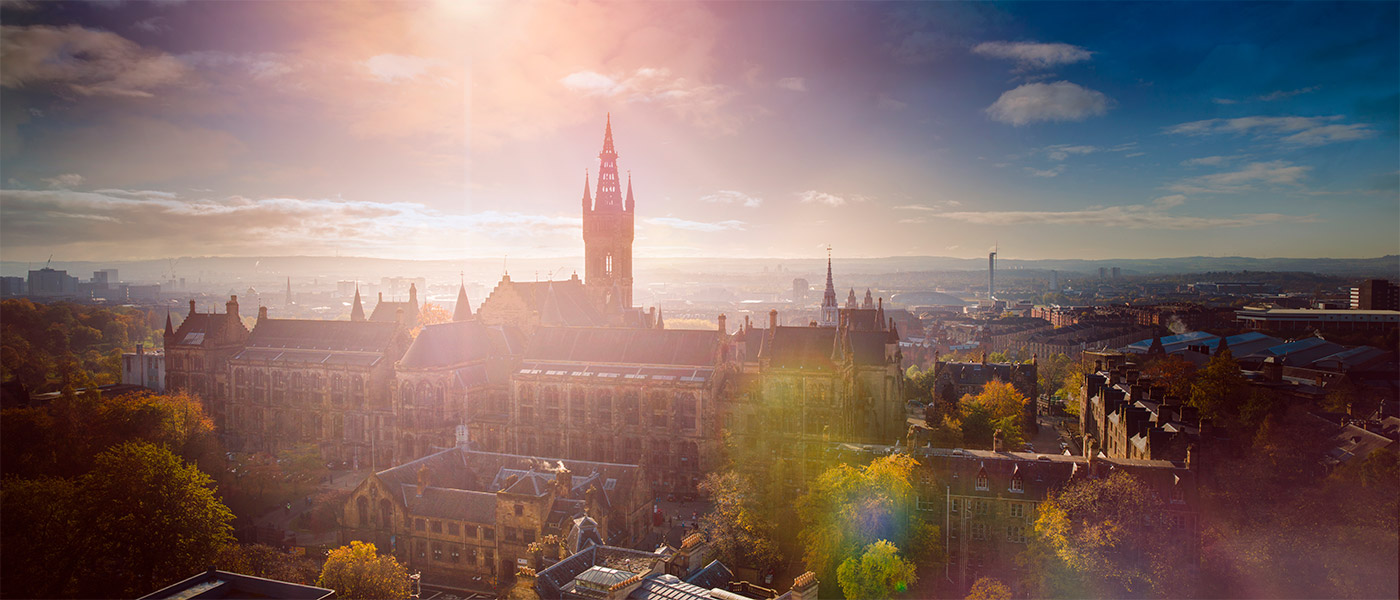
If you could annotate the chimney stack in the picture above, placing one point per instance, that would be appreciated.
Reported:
(191, 307)
(262, 313)
(723, 328)
(232, 306)
(773, 319)
(996, 441)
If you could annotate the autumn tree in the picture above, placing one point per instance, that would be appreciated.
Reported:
(1172, 372)
(848, 509)
(1115, 533)
(989, 588)
(741, 535)
(877, 573)
(359, 571)
(998, 406)
(431, 314)
(262, 560)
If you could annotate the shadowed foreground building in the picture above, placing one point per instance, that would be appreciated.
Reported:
(223, 584)
(460, 513)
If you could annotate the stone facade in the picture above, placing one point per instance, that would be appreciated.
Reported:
(459, 513)
(197, 354)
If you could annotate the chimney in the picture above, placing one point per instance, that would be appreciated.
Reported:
(191, 307)
(413, 294)
(723, 327)
(773, 319)
(804, 587)
(232, 306)
(140, 349)
(564, 478)
(381, 296)
(746, 323)
(262, 313)
(996, 441)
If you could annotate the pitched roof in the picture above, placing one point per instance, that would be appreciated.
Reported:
(205, 329)
(447, 503)
(388, 312)
(551, 582)
(462, 469)
(806, 348)
(680, 347)
(557, 302)
(713, 575)
(459, 343)
(310, 334)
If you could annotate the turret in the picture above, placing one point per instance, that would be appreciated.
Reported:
(587, 196)
(357, 310)
(630, 202)
(413, 294)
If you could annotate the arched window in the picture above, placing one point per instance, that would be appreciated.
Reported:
(607, 264)
(362, 507)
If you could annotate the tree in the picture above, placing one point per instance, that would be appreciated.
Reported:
(851, 508)
(740, 534)
(1174, 372)
(359, 571)
(988, 588)
(431, 314)
(149, 519)
(1114, 531)
(878, 573)
(998, 406)
(262, 560)
(38, 536)
(1219, 389)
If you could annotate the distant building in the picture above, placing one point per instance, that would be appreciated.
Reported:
(1125, 415)
(953, 380)
(48, 282)
(405, 313)
(12, 286)
(800, 289)
(144, 368)
(1376, 294)
(1302, 319)
(223, 584)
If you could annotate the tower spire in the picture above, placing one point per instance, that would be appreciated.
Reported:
(587, 198)
(357, 310)
(463, 310)
(609, 193)
(630, 202)
(829, 309)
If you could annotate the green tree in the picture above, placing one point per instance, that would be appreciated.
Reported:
(1115, 532)
(1173, 372)
(851, 508)
(988, 588)
(998, 406)
(877, 573)
(149, 519)
(740, 534)
(39, 537)
(1219, 390)
(359, 571)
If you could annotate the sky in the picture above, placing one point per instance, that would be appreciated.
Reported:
(441, 130)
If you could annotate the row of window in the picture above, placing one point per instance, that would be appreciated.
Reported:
(469, 532)
(1015, 534)
(456, 554)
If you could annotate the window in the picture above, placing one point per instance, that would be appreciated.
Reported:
(456, 555)
(923, 504)
(419, 525)
(488, 534)
(422, 549)
(954, 507)
(437, 551)
(1178, 494)
(528, 536)
(979, 531)
(470, 531)
(1016, 485)
(1016, 534)
(511, 535)
(1018, 510)
(471, 555)
(453, 529)
(982, 480)
(519, 510)
(982, 507)
(437, 526)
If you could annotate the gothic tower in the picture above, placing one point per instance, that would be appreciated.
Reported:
(830, 311)
(607, 232)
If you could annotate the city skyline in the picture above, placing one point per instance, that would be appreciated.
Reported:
(441, 131)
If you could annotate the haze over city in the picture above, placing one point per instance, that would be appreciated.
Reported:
(447, 130)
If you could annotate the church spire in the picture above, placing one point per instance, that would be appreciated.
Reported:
(829, 308)
(169, 329)
(357, 310)
(463, 310)
(609, 193)
(587, 198)
(630, 202)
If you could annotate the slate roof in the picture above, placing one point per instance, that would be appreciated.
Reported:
(679, 347)
(713, 575)
(807, 348)
(459, 343)
(310, 334)
(207, 329)
(551, 582)
(564, 303)
(388, 312)
(466, 505)
(668, 587)
(223, 584)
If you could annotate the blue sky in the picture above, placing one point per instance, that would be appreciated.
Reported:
(442, 129)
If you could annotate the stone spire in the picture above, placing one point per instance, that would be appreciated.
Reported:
(169, 329)
(587, 197)
(463, 310)
(829, 309)
(631, 204)
(609, 194)
(869, 302)
(357, 310)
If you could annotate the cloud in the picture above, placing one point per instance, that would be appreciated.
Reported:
(1280, 95)
(64, 181)
(794, 84)
(1295, 131)
(1059, 101)
(1032, 55)
(1051, 172)
(701, 104)
(936, 205)
(813, 196)
(1153, 215)
(117, 224)
(1063, 151)
(675, 223)
(1208, 161)
(732, 197)
(85, 61)
(885, 102)
(1272, 173)
(156, 24)
(390, 68)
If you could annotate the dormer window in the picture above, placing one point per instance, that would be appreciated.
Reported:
(982, 481)
(1016, 485)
